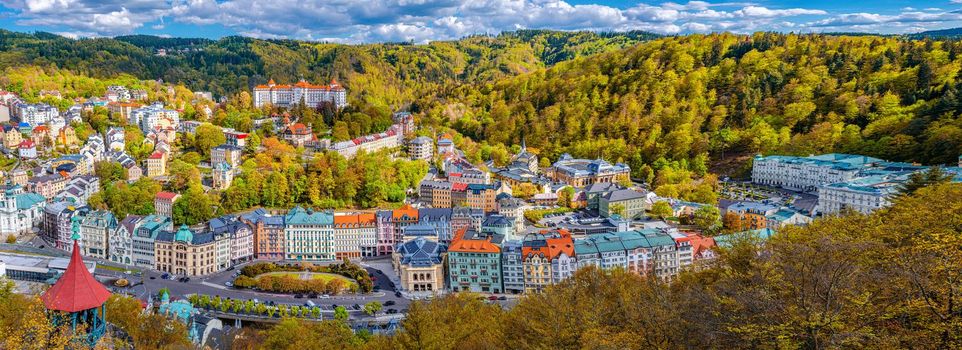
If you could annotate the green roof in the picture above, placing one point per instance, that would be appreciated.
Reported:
(300, 216)
(184, 234)
(627, 240)
(28, 200)
(761, 234)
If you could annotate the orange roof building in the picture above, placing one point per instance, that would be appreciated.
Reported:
(474, 262)
(355, 235)
(547, 258)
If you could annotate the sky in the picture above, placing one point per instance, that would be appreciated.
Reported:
(360, 21)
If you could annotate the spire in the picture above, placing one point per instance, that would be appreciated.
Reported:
(75, 228)
(524, 148)
(76, 290)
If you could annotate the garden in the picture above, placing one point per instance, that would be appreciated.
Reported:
(305, 278)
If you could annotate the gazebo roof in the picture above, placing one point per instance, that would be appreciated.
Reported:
(76, 290)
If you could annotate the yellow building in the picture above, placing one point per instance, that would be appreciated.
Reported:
(11, 137)
(68, 137)
(184, 253)
(157, 164)
(420, 265)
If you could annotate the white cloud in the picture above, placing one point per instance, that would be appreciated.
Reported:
(425, 20)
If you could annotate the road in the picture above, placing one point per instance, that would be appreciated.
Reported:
(148, 282)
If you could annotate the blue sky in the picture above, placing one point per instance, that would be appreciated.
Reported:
(426, 20)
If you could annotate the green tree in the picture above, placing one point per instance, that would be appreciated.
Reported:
(933, 176)
(661, 209)
(707, 217)
(340, 314)
(372, 308)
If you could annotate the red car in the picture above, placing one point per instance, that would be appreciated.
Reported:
(493, 297)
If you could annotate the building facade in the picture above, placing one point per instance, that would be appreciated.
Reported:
(185, 253)
(808, 173)
(547, 258)
(290, 95)
(419, 264)
(309, 235)
(20, 211)
(584, 172)
(95, 230)
(474, 262)
(120, 243)
(355, 235)
(142, 241)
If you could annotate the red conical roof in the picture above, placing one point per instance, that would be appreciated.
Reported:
(76, 290)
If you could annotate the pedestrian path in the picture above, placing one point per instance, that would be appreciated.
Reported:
(213, 285)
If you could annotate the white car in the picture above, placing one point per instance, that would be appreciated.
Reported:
(325, 296)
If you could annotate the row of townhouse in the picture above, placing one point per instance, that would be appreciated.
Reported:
(484, 261)
(446, 194)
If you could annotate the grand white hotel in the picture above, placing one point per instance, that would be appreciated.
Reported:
(289, 95)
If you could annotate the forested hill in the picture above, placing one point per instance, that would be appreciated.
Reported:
(381, 74)
(679, 101)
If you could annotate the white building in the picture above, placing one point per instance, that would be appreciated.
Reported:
(355, 235)
(808, 173)
(118, 93)
(120, 243)
(36, 114)
(19, 211)
(95, 230)
(289, 95)
(370, 143)
(154, 117)
(115, 137)
(421, 148)
(309, 235)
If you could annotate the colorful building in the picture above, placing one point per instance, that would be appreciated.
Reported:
(309, 235)
(547, 258)
(419, 263)
(268, 234)
(474, 262)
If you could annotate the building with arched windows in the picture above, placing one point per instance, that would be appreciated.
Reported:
(420, 265)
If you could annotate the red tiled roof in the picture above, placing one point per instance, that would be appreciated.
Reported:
(359, 218)
(165, 195)
(26, 144)
(461, 245)
(157, 155)
(76, 290)
(554, 246)
(405, 210)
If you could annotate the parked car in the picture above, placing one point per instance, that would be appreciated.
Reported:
(502, 298)
(389, 303)
(298, 296)
(493, 297)
(312, 295)
(356, 307)
(391, 311)
(325, 296)
(309, 304)
(231, 268)
(229, 284)
(165, 276)
(397, 294)
(153, 278)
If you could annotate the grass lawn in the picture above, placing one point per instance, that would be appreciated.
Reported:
(119, 269)
(314, 275)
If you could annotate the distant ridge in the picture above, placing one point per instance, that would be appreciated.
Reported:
(940, 33)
